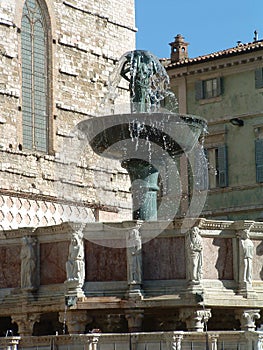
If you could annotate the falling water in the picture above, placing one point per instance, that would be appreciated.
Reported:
(65, 319)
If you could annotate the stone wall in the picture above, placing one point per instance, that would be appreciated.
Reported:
(87, 39)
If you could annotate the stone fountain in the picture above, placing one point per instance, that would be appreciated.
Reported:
(166, 285)
(150, 135)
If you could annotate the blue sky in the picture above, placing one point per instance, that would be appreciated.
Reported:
(207, 25)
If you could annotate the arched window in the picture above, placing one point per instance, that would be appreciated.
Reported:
(35, 76)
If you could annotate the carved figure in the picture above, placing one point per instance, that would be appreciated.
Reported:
(248, 253)
(75, 265)
(28, 263)
(194, 253)
(146, 76)
(134, 256)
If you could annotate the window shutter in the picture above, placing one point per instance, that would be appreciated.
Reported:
(222, 166)
(219, 84)
(259, 78)
(259, 159)
(199, 90)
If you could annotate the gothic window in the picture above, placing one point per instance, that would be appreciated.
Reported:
(205, 89)
(35, 77)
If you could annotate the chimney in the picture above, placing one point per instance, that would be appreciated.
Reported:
(179, 49)
(255, 35)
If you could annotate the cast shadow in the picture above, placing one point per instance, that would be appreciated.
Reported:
(224, 263)
(259, 252)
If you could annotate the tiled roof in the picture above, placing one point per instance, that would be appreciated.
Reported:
(237, 50)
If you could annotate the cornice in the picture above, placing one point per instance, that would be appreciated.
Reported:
(208, 66)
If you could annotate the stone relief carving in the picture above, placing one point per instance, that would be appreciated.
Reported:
(246, 255)
(75, 266)
(28, 256)
(134, 256)
(194, 255)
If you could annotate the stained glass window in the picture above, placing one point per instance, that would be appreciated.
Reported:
(34, 48)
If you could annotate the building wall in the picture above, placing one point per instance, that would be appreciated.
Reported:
(242, 197)
(87, 39)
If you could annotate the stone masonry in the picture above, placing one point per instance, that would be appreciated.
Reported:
(87, 39)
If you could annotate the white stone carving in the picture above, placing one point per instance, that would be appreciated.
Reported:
(246, 256)
(134, 256)
(194, 255)
(28, 256)
(75, 266)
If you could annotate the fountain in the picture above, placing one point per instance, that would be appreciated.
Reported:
(147, 137)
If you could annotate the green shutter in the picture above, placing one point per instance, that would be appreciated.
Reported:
(222, 166)
(219, 86)
(259, 159)
(199, 90)
(259, 78)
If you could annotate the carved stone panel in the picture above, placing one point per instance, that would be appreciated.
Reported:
(105, 263)
(10, 266)
(218, 258)
(53, 257)
(163, 258)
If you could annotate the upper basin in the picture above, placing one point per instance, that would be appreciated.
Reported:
(122, 136)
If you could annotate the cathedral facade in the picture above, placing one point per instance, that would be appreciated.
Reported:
(56, 60)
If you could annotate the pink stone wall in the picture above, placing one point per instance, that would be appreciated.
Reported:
(218, 258)
(53, 257)
(10, 267)
(105, 263)
(164, 258)
(258, 261)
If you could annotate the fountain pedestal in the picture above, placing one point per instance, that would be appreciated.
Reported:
(144, 179)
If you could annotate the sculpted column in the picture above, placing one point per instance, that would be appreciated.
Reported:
(134, 318)
(9, 343)
(195, 319)
(176, 342)
(134, 262)
(246, 254)
(194, 259)
(93, 344)
(25, 323)
(76, 321)
(247, 318)
(29, 264)
(75, 267)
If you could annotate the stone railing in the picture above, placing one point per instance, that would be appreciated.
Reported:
(220, 340)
